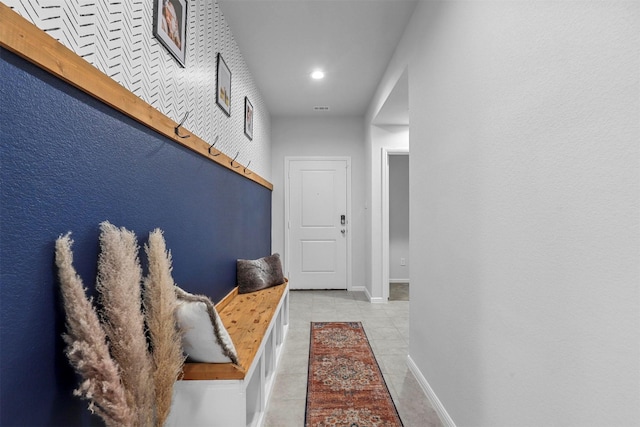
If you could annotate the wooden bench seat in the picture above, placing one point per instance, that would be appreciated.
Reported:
(246, 317)
(229, 395)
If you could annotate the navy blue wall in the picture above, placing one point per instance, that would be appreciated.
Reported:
(69, 162)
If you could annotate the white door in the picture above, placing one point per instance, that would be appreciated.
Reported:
(317, 232)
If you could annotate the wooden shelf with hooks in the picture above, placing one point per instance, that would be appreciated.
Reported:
(31, 43)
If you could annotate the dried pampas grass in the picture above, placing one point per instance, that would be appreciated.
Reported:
(118, 281)
(160, 305)
(87, 348)
(125, 383)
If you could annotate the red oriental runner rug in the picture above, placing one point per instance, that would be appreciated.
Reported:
(345, 387)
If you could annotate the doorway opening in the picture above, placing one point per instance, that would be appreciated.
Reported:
(395, 224)
(394, 262)
(399, 266)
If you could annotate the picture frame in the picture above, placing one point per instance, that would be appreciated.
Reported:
(170, 27)
(248, 118)
(223, 85)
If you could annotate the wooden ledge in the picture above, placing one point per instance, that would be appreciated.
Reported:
(247, 318)
(212, 371)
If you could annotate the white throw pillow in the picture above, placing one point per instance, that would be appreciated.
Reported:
(204, 339)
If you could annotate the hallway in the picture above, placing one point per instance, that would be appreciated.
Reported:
(387, 328)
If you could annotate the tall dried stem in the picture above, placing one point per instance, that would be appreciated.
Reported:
(119, 280)
(160, 305)
(87, 348)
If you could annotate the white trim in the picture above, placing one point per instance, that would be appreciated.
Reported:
(446, 420)
(399, 281)
(359, 289)
(367, 293)
(384, 262)
(375, 300)
(372, 300)
(287, 202)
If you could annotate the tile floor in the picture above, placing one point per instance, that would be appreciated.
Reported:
(386, 326)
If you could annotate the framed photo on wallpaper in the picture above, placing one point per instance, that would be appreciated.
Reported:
(223, 86)
(170, 26)
(248, 118)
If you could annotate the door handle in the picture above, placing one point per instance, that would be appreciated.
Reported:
(343, 231)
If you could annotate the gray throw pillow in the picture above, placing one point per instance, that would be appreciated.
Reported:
(257, 274)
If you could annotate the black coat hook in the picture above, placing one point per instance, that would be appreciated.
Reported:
(180, 124)
(213, 145)
(245, 168)
(234, 159)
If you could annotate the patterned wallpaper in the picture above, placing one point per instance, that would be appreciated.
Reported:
(116, 37)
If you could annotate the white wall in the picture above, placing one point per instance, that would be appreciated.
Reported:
(322, 136)
(377, 138)
(399, 218)
(525, 223)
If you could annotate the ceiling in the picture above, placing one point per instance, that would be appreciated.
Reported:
(283, 41)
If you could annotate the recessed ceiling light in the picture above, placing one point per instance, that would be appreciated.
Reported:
(317, 75)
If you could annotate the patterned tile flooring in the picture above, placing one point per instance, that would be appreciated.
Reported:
(386, 326)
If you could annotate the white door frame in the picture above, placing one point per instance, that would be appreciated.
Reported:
(386, 152)
(287, 204)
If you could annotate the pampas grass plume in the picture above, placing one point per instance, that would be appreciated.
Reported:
(119, 281)
(160, 305)
(87, 348)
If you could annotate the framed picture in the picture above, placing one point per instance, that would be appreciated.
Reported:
(223, 86)
(170, 26)
(248, 118)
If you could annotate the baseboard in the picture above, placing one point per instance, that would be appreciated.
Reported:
(358, 289)
(399, 281)
(372, 300)
(435, 402)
